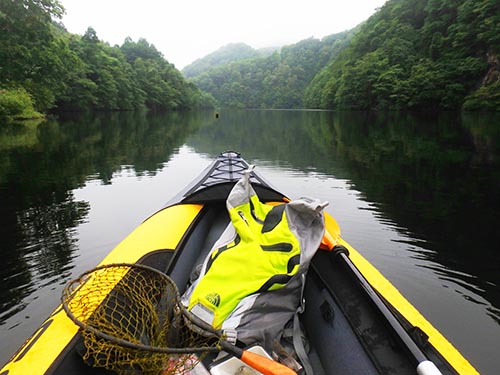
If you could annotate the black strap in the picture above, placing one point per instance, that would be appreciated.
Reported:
(297, 337)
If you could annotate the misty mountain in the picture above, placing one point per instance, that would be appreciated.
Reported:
(225, 55)
(410, 55)
(238, 76)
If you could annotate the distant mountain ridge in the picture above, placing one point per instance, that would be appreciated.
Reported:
(422, 55)
(227, 54)
(241, 77)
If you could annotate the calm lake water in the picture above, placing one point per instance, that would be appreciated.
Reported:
(417, 196)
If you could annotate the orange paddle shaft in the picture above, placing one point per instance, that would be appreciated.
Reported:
(265, 365)
(262, 364)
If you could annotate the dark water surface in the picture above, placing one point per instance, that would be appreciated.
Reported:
(417, 196)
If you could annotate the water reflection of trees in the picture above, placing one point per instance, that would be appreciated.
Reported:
(144, 141)
(297, 138)
(41, 165)
(430, 178)
(437, 176)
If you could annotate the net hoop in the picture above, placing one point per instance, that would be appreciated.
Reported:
(75, 286)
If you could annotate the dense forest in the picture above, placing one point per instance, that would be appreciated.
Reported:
(419, 55)
(43, 67)
(275, 81)
(411, 54)
(225, 55)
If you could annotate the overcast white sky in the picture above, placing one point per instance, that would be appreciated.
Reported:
(185, 30)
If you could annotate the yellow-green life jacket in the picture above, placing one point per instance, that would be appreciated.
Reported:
(264, 252)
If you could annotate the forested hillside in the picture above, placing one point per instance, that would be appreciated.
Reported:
(43, 67)
(225, 55)
(276, 81)
(411, 55)
(419, 55)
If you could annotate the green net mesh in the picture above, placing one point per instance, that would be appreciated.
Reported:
(132, 321)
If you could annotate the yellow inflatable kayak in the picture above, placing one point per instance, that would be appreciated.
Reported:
(355, 321)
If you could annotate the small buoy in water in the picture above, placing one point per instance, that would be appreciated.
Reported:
(216, 115)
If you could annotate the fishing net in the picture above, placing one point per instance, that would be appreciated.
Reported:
(132, 321)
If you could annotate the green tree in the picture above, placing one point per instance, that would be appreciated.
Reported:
(41, 63)
(275, 81)
(160, 83)
(17, 103)
(419, 55)
(28, 51)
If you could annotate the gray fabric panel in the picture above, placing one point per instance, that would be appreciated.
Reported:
(263, 322)
(242, 191)
(306, 221)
